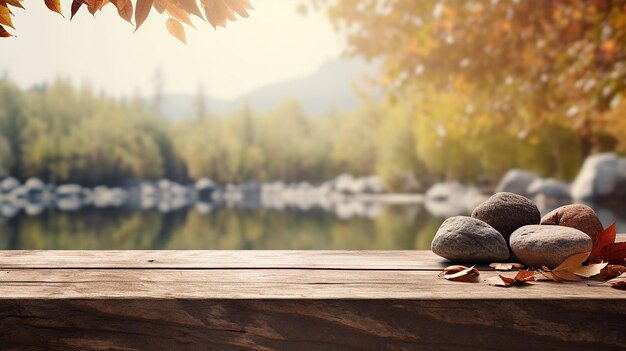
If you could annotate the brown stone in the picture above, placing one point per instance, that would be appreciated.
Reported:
(576, 216)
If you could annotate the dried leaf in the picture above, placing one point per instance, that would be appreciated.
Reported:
(216, 12)
(606, 249)
(239, 6)
(606, 238)
(142, 10)
(94, 5)
(453, 269)
(76, 4)
(506, 266)
(590, 270)
(159, 5)
(191, 6)
(179, 14)
(4, 33)
(124, 9)
(522, 277)
(54, 6)
(619, 282)
(176, 29)
(612, 271)
(5, 17)
(464, 275)
(15, 3)
(566, 270)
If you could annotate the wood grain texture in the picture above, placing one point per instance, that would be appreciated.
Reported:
(276, 284)
(256, 259)
(180, 324)
(288, 300)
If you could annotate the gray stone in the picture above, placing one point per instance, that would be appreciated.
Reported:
(506, 212)
(549, 188)
(516, 181)
(548, 245)
(578, 216)
(466, 239)
(598, 177)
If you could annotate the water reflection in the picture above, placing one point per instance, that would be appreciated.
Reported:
(352, 225)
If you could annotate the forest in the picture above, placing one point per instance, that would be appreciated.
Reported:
(473, 89)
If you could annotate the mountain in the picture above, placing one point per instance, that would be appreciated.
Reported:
(331, 87)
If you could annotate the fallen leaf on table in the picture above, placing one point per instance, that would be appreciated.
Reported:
(612, 271)
(460, 273)
(606, 249)
(567, 269)
(619, 282)
(506, 266)
(521, 278)
(590, 270)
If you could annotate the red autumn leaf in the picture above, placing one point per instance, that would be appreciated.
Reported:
(612, 271)
(76, 4)
(521, 278)
(4, 33)
(142, 10)
(619, 282)
(606, 249)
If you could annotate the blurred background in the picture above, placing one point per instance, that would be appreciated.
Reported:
(337, 124)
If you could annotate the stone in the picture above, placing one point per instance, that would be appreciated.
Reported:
(597, 177)
(577, 216)
(506, 212)
(549, 188)
(516, 181)
(466, 239)
(547, 245)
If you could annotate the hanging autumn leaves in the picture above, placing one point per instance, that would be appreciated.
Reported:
(179, 12)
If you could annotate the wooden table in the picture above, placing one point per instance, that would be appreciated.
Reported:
(288, 300)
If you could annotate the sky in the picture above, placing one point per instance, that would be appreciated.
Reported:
(274, 44)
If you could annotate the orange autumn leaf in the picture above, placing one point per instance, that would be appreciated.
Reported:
(191, 6)
(216, 12)
(5, 16)
(94, 5)
(606, 249)
(54, 6)
(179, 14)
(124, 9)
(176, 29)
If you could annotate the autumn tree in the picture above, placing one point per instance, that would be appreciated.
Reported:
(527, 65)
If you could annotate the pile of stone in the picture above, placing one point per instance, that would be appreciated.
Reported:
(509, 227)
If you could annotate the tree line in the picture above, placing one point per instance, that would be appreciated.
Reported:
(63, 134)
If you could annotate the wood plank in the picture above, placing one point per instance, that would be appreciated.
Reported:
(276, 284)
(234, 259)
(312, 325)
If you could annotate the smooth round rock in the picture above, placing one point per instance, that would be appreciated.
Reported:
(466, 239)
(506, 212)
(581, 217)
(547, 245)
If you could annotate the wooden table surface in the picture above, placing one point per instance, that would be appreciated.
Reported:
(288, 300)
